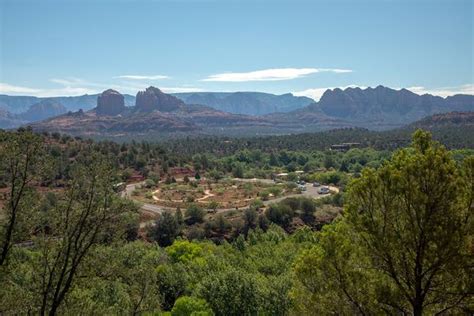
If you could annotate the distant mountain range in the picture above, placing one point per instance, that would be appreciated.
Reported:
(249, 103)
(374, 108)
(155, 112)
(21, 104)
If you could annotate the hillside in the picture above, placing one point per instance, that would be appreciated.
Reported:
(451, 119)
(8, 120)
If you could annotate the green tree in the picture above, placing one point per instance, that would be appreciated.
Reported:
(334, 270)
(21, 163)
(166, 229)
(250, 217)
(83, 218)
(415, 214)
(308, 208)
(329, 161)
(172, 281)
(220, 224)
(191, 306)
(195, 214)
(280, 214)
(184, 251)
(238, 170)
(230, 292)
(273, 160)
(403, 245)
(215, 174)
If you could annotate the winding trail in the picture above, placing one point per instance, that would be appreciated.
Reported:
(311, 192)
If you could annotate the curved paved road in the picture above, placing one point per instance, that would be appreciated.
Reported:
(127, 193)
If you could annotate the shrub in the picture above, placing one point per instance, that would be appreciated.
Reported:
(190, 306)
(195, 214)
(276, 191)
(220, 224)
(264, 195)
(149, 183)
(184, 251)
(280, 214)
(166, 229)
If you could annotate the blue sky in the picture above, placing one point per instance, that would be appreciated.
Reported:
(72, 47)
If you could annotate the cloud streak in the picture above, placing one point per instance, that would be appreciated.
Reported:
(9, 89)
(77, 87)
(6, 88)
(274, 74)
(142, 77)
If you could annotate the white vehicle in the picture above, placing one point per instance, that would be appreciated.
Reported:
(323, 190)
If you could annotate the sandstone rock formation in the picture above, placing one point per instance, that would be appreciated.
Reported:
(110, 102)
(153, 99)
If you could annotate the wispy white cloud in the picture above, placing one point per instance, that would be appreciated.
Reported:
(444, 91)
(180, 89)
(274, 74)
(6, 88)
(142, 77)
(70, 81)
(76, 86)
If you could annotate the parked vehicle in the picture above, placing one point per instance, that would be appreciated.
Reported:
(323, 190)
(316, 184)
(302, 187)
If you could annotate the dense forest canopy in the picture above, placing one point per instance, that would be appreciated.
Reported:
(397, 237)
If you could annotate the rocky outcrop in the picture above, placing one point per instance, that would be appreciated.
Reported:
(153, 99)
(110, 102)
(388, 105)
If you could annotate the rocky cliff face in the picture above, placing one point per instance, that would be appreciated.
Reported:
(389, 105)
(110, 102)
(153, 99)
